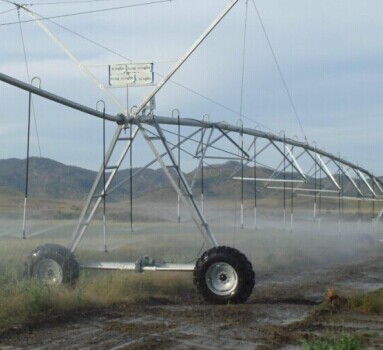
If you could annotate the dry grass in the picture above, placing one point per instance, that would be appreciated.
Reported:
(370, 303)
(25, 302)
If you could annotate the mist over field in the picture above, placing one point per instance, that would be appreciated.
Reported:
(271, 245)
(295, 257)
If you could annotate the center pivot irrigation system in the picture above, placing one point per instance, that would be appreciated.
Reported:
(222, 274)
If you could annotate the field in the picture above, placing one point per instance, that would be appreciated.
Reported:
(315, 283)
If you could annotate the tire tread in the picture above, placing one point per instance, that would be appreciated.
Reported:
(239, 261)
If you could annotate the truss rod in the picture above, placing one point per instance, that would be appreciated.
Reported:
(195, 212)
(345, 172)
(366, 182)
(201, 160)
(117, 186)
(378, 185)
(260, 134)
(203, 145)
(293, 162)
(240, 148)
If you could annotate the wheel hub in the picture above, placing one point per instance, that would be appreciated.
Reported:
(48, 271)
(221, 279)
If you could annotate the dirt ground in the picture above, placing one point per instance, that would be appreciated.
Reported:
(279, 315)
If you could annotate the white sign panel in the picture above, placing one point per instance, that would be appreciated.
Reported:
(134, 74)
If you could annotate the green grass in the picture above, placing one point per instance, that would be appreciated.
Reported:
(368, 303)
(342, 342)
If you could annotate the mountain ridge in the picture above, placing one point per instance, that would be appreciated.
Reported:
(51, 179)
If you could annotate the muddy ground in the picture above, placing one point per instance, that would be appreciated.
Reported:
(279, 315)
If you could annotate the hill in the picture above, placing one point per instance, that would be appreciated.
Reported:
(47, 178)
(54, 180)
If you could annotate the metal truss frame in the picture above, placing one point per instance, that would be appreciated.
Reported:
(152, 128)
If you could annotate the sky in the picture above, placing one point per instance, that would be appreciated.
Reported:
(329, 52)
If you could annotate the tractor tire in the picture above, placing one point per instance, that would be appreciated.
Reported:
(52, 264)
(224, 275)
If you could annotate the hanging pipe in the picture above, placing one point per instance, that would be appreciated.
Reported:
(359, 207)
(131, 172)
(103, 174)
(339, 197)
(373, 210)
(27, 160)
(320, 200)
(205, 118)
(255, 183)
(131, 177)
(176, 113)
(315, 183)
(282, 132)
(240, 122)
(292, 192)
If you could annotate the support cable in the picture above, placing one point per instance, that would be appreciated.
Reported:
(255, 183)
(243, 63)
(280, 71)
(131, 177)
(373, 207)
(179, 164)
(241, 105)
(27, 165)
(359, 205)
(320, 200)
(104, 178)
(84, 12)
(67, 2)
(315, 187)
(202, 175)
(292, 196)
(242, 188)
(340, 195)
(86, 39)
(157, 74)
(28, 77)
(284, 180)
(3, 12)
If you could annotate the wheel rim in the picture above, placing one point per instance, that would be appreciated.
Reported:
(221, 279)
(48, 271)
